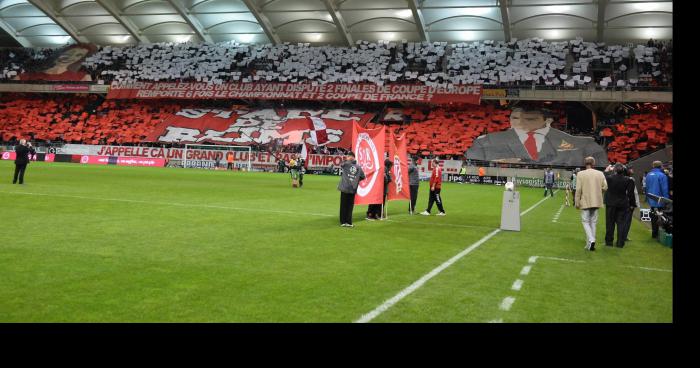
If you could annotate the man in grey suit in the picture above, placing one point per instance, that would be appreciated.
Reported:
(532, 140)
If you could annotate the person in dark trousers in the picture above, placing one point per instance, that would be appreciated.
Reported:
(628, 220)
(657, 184)
(620, 195)
(435, 187)
(229, 160)
(351, 175)
(22, 151)
(302, 169)
(413, 183)
(387, 179)
(374, 211)
(548, 181)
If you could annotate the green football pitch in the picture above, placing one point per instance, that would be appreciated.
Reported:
(119, 244)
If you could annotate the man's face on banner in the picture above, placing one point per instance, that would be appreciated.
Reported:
(527, 120)
(71, 56)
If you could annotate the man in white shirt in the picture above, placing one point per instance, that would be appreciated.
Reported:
(532, 140)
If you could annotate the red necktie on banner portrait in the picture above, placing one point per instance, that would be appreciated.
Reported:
(531, 145)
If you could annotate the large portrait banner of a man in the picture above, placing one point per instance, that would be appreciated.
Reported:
(532, 140)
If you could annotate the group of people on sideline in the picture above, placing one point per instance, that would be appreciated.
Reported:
(352, 174)
(615, 188)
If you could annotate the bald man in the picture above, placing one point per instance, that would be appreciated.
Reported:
(22, 151)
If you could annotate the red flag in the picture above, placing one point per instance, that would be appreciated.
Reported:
(398, 187)
(368, 146)
(317, 128)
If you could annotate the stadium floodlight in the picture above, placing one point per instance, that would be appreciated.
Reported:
(204, 156)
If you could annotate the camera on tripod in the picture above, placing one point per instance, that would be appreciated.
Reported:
(664, 214)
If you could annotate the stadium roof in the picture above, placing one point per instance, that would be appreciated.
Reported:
(42, 23)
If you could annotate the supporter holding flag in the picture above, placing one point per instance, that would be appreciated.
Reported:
(351, 175)
(413, 182)
(435, 187)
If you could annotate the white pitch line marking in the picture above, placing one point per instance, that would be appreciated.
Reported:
(500, 320)
(417, 284)
(560, 259)
(525, 270)
(532, 259)
(650, 269)
(413, 287)
(507, 303)
(517, 285)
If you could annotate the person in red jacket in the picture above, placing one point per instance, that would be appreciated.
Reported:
(435, 186)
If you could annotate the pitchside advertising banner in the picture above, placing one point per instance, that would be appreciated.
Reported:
(297, 91)
(203, 158)
(261, 126)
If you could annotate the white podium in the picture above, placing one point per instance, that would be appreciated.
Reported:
(510, 212)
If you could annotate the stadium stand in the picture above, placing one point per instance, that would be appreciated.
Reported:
(442, 131)
(567, 64)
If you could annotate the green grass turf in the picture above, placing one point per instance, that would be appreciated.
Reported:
(118, 244)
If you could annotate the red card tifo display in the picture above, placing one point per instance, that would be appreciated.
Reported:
(261, 126)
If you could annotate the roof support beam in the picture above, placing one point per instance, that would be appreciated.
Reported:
(505, 19)
(263, 22)
(339, 22)
(601, 19)
(10, 31)
(192, 21)
(60, 21)
(114, 11)
(418, 17)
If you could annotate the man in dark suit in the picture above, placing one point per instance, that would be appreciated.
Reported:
(22, 152)
(619, 198)
(532, 140)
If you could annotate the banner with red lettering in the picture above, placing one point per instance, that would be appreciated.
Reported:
(368, 92)
(256, 126)
(368, 146)
(398, 186)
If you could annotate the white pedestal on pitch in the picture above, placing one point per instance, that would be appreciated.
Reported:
(510, 213)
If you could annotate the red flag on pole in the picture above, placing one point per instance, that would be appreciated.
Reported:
(398, 187)
(368, 146)
(317, 129)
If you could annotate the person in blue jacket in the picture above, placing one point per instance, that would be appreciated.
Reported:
(656, 184)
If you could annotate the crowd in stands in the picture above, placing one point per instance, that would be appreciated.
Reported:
(522, 63)
(630, 135)
(16, 60)
(431, 131)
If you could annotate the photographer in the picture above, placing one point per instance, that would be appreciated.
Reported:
(656, 186)
(22, 151)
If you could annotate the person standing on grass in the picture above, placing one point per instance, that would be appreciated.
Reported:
(435, 187)
(548, 181)
(351, 175)
(22, 152)
(656, 184)
(590, 185)
(620, 196)
(229, 160)
(633, 205)
(413, 183)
